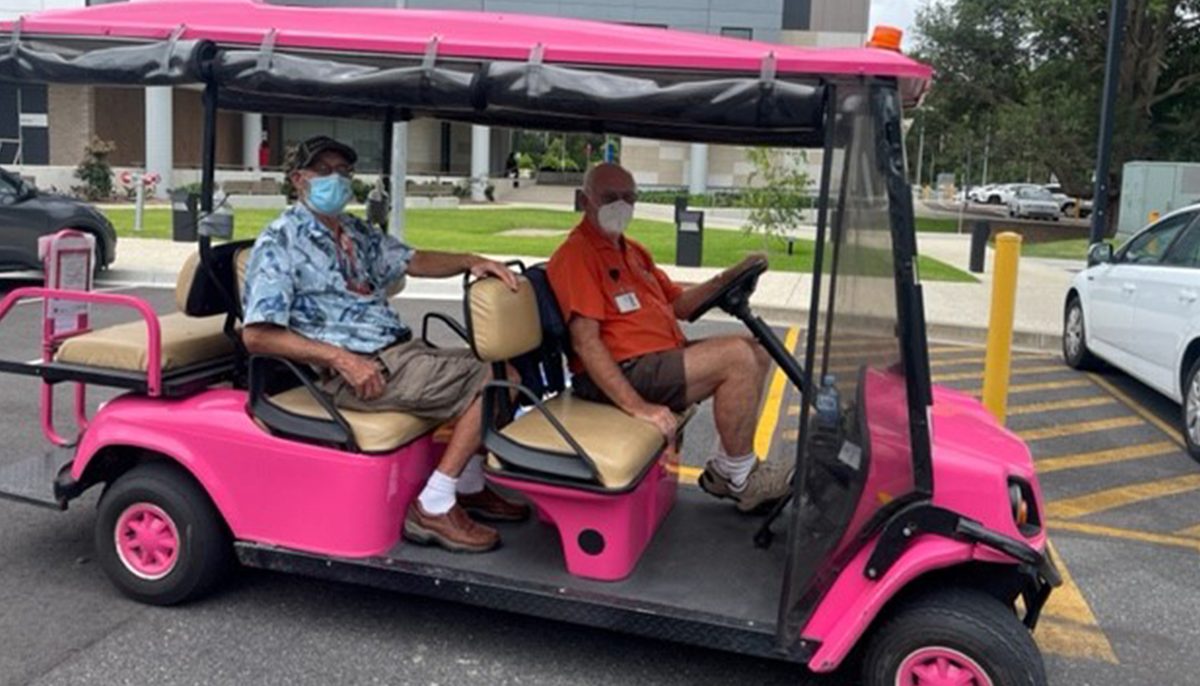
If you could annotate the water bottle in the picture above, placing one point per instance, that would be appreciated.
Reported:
(829, 404)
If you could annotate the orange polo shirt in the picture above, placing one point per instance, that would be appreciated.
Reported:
(589, 273)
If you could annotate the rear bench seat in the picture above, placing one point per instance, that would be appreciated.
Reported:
(374, 432)
(186, 341)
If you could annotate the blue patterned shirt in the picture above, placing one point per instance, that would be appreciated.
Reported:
(301, 278)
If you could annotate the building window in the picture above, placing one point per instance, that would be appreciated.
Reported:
(23, 125)
(797, 15)
(733, 32)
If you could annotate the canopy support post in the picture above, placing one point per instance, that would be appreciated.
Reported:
(385, 166)
(209, 153)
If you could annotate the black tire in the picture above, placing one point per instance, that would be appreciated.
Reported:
(993, 200)
(204, 553)
(1076, 356)
(968, 623)
(1190, 408)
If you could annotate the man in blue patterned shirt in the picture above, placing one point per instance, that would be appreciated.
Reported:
(317, 292)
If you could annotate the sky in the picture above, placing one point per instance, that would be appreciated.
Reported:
(899, 13)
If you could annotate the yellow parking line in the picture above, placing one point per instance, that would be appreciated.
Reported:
(1068, 626)
(1016, 371)
(769, 418)
(1192, 531)
(1125, 534)
(1099, 457)
(1134, 405)
(1057, 405)
(955, 361)
(1091, 503)
(1031, 387)
(1077, 428)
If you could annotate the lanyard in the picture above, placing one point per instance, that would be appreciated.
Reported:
(343, 244)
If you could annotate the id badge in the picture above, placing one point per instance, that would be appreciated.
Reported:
(628, 302)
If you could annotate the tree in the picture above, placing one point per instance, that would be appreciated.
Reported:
(777, 194)
(1030, 73)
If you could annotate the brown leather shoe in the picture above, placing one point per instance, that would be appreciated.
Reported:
(490, 505)
(454, 531)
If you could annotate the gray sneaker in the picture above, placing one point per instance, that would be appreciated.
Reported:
(767, 484)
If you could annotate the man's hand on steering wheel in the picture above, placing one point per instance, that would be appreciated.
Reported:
(748, 262)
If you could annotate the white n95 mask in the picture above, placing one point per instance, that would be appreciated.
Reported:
(615, 217)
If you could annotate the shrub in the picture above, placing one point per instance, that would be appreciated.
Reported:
(95, 172)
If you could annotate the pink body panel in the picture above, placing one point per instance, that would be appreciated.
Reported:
(971, 455)
(470, 35)
(270, 490)
(626, 521)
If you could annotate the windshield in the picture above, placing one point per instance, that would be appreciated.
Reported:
(857, 436)
(1034, 194)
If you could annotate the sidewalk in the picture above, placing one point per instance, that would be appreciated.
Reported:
(955, 312)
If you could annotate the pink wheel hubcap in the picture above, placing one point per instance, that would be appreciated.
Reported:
(938, 666)
(147, 541)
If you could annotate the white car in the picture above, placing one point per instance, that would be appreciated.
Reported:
(980, 194)
(1033, 202)
(1137, 309)
(1067, 203)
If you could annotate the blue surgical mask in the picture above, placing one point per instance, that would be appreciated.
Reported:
(329, 194)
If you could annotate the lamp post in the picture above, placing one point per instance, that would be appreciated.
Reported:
(1116, 36)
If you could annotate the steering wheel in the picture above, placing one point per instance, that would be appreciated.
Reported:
(734, 295)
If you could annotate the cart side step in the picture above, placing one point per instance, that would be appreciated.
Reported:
(32, 480)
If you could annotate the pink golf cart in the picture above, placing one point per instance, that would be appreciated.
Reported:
(913, 540)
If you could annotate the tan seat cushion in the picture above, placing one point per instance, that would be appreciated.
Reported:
(185, 341)
(375, 432)
(620, 445)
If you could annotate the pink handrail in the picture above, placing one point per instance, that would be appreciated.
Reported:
(153, 330)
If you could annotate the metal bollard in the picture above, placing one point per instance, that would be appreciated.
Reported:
(998, 365)
(981, 231)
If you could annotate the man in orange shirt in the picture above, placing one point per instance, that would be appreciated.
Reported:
(623, 314)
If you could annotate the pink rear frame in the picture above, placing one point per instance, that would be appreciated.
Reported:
(270, 490)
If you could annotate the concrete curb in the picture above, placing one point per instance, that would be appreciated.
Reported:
(1026, 341)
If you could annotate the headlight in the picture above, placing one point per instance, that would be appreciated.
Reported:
(1024, 514)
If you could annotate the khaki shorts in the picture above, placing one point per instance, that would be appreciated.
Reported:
(658, 377)
(426, 382)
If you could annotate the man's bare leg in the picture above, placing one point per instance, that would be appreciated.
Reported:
(733, 371)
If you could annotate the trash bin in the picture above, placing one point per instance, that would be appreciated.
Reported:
(981, 231)
(185, 212)
(689, 238)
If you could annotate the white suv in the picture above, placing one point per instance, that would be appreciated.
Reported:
(1137, 308)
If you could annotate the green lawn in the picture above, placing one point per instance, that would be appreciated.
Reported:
(480, 231)
(1072, 248)
(940, 225)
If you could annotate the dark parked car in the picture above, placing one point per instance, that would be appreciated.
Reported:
(27, 213)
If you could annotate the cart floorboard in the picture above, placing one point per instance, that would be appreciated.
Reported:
(701, 581)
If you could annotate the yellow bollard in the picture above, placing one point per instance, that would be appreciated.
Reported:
(997, 367)
(1153, 216)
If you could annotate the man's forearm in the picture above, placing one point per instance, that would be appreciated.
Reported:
(605, 373)
(265, 339)
(690, 299)
(436, 264)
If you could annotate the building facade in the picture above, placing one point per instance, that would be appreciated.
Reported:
(158, 128)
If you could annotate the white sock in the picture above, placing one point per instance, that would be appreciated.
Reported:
(736, 469)
(437, 498)
(471, 480)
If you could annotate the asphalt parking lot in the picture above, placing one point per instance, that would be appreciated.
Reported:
(1124, 515)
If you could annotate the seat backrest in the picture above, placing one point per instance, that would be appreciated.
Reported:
(196, 295)
(502, 323)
